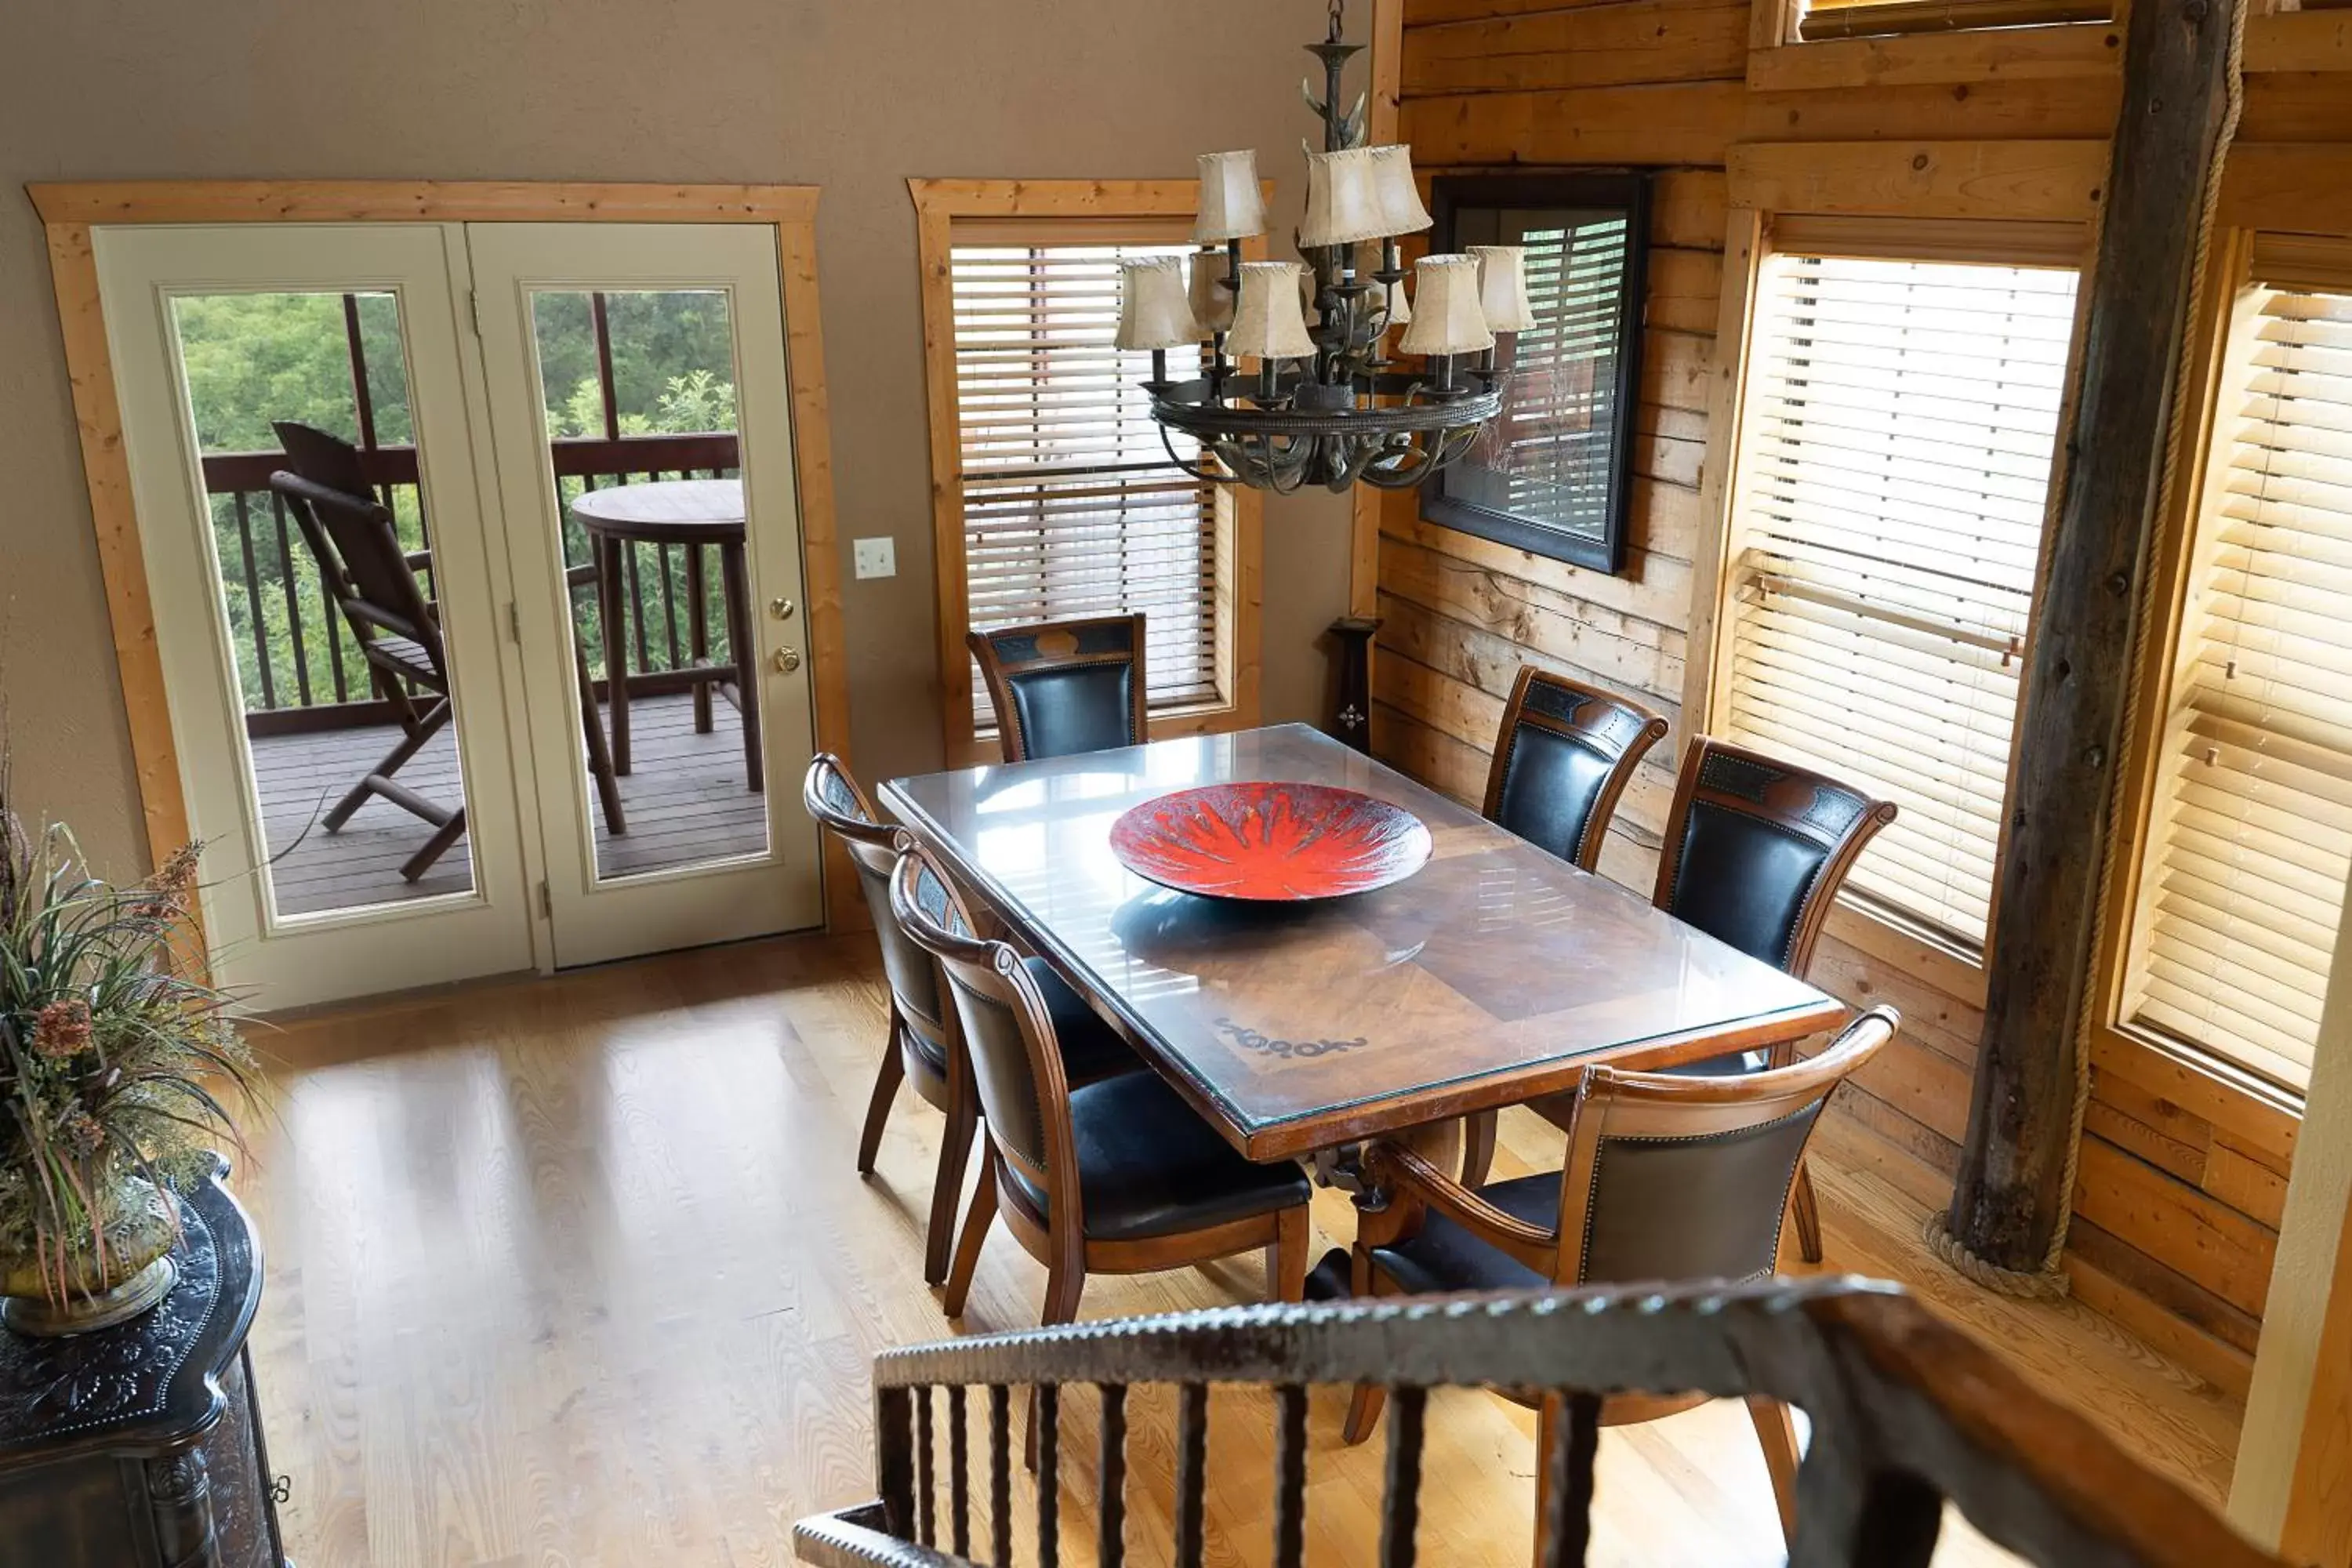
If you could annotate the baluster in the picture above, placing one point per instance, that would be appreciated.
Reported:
(1400, 1496)
(959, 1474)
(1000, 1475)
(1192, 1463)
(252, 601)
(1290, 1476)
(289, 588)
(669, 605)
(332, 617)
(1112, 1549)
(1046, 1416)
(925, 1484)
(895, 1473)
(629, 553)
(1569, 1438)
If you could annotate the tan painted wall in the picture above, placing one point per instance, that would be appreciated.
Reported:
(852, 95)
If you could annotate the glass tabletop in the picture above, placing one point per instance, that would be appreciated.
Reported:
(1494, 973)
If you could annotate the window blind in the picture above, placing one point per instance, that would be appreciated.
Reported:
(1900, 423)
(1070, 505)
(2252, 839)
(1561, 420)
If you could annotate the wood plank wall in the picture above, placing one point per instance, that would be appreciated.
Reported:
(2182, 1180)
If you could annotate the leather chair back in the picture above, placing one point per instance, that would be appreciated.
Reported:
(1756, 849)
(1065, 687)
(833, 798)
(1008, 1034)
(353, 539)
(1671, 1177)
(1564, 754)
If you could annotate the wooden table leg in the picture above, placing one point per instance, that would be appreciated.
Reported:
(698, 609)
(741, 646)
(615, 627)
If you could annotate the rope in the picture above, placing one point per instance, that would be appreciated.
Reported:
(2050, 1281)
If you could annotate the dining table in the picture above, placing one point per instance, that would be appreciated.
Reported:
(689, 513)
(1494, 975)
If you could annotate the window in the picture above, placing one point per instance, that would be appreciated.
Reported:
(1865, 19)
(1899, 425)
(1057, 496)
(1553, 474)
(2250, 835)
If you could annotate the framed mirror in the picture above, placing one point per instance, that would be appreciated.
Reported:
(1553, 474)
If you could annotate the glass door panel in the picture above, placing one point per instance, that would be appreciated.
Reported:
(637, 388)
(329, 706)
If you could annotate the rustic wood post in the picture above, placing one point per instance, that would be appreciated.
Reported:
(2012, 1198)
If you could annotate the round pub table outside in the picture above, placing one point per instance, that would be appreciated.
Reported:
(690, 513)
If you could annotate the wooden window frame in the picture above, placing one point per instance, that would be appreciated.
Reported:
(1063, 209)
(68, 212)
(1998, 40)
(1932, 219)
(2296, 195)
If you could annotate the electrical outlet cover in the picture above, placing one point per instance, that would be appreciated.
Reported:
(877, 557)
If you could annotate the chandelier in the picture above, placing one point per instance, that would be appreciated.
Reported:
(1324, 402)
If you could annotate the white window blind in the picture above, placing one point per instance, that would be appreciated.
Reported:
(1900, 423)
(2252, 837)
(1071, 507)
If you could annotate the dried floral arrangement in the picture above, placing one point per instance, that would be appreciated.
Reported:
(117, 1062)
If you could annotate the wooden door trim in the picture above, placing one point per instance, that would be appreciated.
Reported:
(69, 211)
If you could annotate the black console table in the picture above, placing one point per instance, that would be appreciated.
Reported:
(140, 1445)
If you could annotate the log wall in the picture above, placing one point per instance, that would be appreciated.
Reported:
(2182, 1173)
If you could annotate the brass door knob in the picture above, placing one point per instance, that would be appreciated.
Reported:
(780, 608)
(786, 661)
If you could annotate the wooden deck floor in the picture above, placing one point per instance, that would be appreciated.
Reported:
(684, 800)
(580, 1272)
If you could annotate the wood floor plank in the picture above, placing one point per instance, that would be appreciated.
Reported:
(579, 1271)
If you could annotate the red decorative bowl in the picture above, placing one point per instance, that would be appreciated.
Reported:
(1275, 842)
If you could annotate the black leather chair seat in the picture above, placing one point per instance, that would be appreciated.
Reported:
(1147, 1164)
(1444, 1256)
(1090, 1048)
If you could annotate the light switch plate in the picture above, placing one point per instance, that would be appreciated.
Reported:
(877, 558)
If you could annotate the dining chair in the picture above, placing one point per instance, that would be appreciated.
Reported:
(1118, 1176)
(1755, 850)
(1063, 687)
(1563, 757)
(922, 1047)
(1666, 1177)
(1564, 754)
(354, 543)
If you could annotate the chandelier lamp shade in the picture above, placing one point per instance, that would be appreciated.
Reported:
(1296, 386)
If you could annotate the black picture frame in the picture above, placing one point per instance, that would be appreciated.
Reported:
(1457, 204)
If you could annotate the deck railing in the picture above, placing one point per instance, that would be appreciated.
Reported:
(298, 663)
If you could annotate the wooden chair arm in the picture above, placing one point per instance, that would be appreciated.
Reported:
(420, 559)
(1397, 1169)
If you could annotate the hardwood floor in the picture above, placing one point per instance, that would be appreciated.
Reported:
(580, 1272)
(684, 798)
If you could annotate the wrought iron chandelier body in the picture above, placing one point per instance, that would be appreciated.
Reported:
(1326, 404)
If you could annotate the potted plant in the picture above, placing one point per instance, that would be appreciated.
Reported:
(114, 1058)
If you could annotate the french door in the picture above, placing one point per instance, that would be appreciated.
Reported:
(383, 810)
(710, 852)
